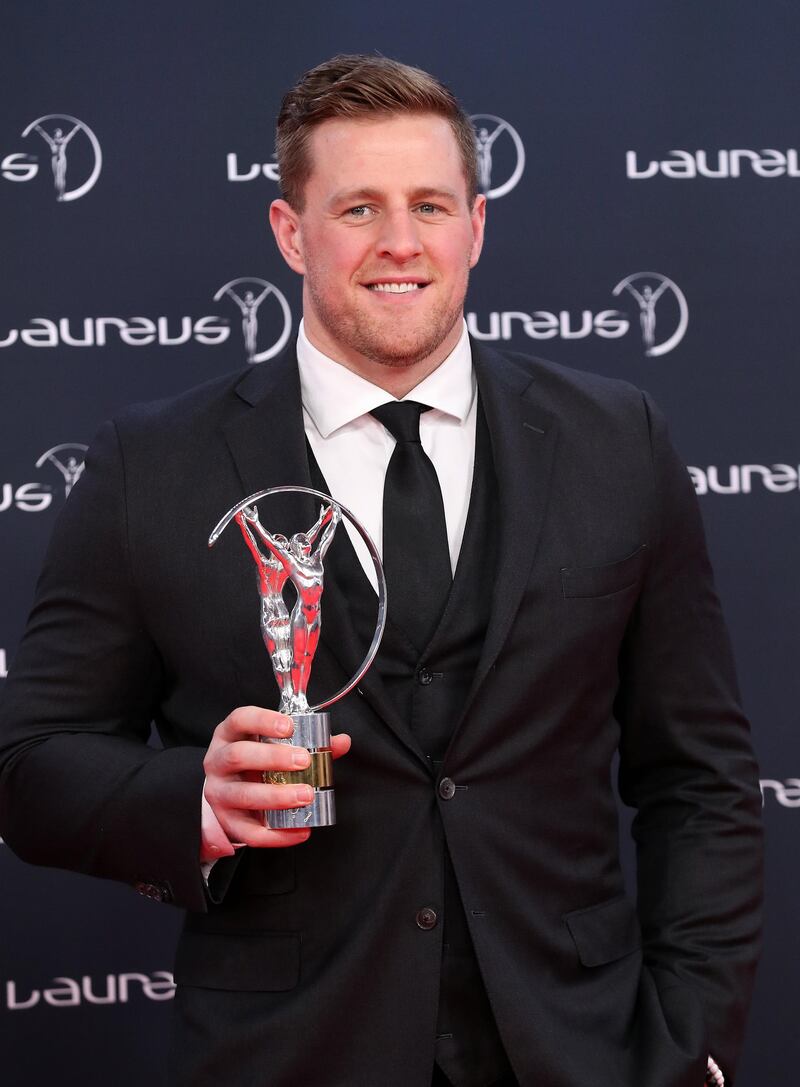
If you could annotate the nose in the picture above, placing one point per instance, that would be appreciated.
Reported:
(399, 238)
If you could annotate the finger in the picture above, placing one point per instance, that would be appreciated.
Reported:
(247, 721)
(246, 756)
(230, 797)
(340, 745)
(250, 830)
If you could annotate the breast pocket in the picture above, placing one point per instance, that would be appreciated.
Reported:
(605, 580)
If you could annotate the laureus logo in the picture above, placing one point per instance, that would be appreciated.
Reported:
(662, 311)
(250, 172)
(501, 155)
(787, 793)
(35, 497)
(247, 294)
(646, 288)
(746, 478)
(65, 992)
(66, 459)
(732, 163)
(74, 151)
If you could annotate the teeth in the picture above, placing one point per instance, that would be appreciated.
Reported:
(394, 288)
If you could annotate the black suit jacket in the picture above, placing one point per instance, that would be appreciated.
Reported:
(605, 636)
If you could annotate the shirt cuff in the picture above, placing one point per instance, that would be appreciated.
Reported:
(214, 842)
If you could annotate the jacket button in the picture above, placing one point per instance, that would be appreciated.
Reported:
(426, 918)
(447, 788)
(159, 892)
(424, 677)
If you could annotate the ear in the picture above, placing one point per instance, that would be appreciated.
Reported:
(478, 220)
(285, 223)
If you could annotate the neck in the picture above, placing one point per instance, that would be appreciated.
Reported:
(396, 380)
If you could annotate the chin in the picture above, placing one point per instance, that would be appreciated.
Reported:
(403, 352)
(398, 359)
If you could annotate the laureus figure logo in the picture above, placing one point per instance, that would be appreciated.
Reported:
(58, 130)
(248, 301)
(488, 130)
(63, 457)
(647, 288)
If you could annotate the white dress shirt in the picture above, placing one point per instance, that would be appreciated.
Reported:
(353, 449)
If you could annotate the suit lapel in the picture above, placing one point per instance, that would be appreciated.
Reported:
(268, 442)
(523, 440)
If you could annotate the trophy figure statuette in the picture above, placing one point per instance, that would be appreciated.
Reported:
(291, 638)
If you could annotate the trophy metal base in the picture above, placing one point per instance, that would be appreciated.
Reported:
(321, 812)
(312, 731)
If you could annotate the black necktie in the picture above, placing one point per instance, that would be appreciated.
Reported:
(416, 555)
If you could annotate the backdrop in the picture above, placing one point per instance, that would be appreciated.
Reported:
(643, 175)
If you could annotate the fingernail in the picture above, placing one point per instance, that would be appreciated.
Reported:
(304, 794)
(300, 758)
(285, 727)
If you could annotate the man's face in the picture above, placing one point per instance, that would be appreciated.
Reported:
(385, 242)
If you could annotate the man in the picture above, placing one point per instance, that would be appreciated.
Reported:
(466, 920)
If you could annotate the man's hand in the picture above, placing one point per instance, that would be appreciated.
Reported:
(234, 764)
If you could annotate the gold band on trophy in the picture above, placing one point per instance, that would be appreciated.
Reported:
(319, 774)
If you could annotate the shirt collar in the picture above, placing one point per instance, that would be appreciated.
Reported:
(334, 396)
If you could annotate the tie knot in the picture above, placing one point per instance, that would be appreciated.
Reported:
(401, 418)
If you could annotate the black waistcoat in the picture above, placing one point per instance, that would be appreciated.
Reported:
(429, 690)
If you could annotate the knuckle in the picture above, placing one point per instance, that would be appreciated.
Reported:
(212, 796)
(242, 796)
(241, 719)
(231, 758)
(223, 799)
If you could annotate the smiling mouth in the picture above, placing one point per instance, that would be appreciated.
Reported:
(396, 288)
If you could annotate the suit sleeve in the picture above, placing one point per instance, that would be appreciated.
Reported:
(79, 786)
(688, 769)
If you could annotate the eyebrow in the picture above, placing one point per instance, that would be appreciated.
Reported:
(360, 196)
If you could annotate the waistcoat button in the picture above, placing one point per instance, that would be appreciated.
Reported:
(447, 789)
(426, 918)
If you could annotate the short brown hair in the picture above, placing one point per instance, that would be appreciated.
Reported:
(360, 86)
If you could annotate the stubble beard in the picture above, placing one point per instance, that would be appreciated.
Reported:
(394, 347)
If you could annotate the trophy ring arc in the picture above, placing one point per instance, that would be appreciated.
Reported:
(291, 637)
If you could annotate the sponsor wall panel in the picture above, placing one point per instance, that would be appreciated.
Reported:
(83, 961)
(138, 262)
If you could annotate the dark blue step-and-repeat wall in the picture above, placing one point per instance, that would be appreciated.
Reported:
(642, 166)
